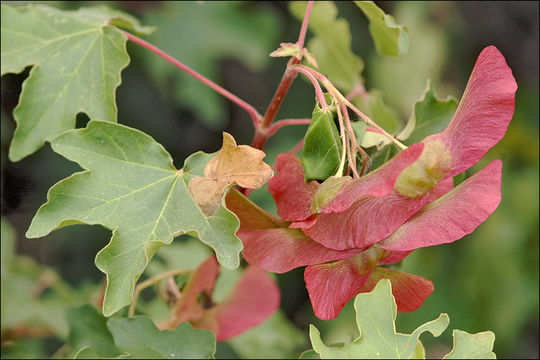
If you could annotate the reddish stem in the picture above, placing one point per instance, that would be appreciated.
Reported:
(255, 116)
(332, 89)
(278, 125)
(296, 148)
(357, 90)
(374, 130)
(303, 29)
(288, 77)
(260, 137)
(318, 90)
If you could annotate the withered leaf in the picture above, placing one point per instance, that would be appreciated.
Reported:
(234, 164)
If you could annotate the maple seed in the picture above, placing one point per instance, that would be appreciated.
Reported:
(234, 164)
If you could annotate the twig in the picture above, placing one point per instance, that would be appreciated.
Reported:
(318, 90)
(288, 77)
(352, 139)
(303, 29)
(279, 124)
(255, 116)
(343, 143)
(143, 285)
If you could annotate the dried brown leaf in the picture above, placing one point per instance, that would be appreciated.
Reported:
(234, 164)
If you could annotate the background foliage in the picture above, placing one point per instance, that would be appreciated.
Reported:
(486, 281)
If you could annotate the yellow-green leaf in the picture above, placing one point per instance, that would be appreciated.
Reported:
(375, 316)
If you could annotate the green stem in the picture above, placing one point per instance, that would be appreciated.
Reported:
(149, 282)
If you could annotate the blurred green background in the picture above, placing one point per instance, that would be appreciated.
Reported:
(486, 281)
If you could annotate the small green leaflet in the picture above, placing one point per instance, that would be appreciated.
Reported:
(472, 346)
(331, 45)
(389, 37)
(430, 116)
(375, 317)
(322, 146)
(76, 60)
(131, 187)
(97, 337)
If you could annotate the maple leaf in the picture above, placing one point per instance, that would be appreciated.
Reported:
(241, 165)
(254, 298)
(131, 187)
(375, 318)
(93, 53)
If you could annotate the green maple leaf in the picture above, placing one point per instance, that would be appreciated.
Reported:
(135, 338)
(131, 187)
(375, 317)
(139, 337)
(389, 37)
(76, 60)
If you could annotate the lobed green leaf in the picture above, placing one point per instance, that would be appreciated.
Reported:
(89, 328)
(131, 187)
(389, 37)
(375, 316)
(139, 337)
(76, 60)
(135, 338)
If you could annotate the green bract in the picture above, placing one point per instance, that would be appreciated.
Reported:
(322, 146)
(131, 187)
(76, 60)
